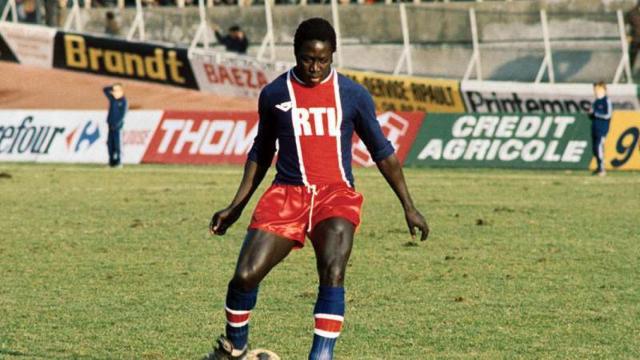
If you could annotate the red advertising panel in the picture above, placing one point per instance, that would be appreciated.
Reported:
(204, 137)
(400, 128)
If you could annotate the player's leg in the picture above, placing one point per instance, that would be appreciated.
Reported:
(601, 140)
(110, 146)
(332, 241)
(594, 147)
(596, 140)
(260, 252)
(117, 142)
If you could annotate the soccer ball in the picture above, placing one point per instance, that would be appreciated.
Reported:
(262, 354)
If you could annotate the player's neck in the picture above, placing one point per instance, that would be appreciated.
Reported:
(298, 78)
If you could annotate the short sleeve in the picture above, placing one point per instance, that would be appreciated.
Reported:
(368, 128)
(264, 144)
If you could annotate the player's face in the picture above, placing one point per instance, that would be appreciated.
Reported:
(600, 92)
(118, 91)
(313, 61)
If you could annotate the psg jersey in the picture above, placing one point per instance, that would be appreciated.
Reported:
(313, 126)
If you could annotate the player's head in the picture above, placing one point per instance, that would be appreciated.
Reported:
(314, 44)
(118, 90)
(236, 31)
(600, 89)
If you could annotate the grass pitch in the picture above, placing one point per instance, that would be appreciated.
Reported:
(117, 264)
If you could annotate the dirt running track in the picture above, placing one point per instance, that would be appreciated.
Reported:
(26, 87)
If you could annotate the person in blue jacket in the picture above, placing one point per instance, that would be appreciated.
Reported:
(117, 109)
(601, 110)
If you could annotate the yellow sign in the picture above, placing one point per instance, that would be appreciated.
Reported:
(622, 145)
(405, 93)
(80, 55)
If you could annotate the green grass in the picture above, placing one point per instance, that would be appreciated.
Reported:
(103, 264)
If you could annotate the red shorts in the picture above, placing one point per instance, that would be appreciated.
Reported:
(286, 209)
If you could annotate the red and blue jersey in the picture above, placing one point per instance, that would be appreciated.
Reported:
(313, 126)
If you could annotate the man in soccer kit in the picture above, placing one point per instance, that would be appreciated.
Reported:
(115, 119)
(600, 118)
(311, 111)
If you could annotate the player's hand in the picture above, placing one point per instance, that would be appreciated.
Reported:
(223, 219)
(416, 220)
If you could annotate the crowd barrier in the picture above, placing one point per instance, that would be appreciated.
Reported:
(244, 76)
(550, 141)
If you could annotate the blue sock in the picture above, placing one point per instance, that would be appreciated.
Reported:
(328, 315)
(238, 309)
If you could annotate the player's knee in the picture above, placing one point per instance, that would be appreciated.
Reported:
(246, 278)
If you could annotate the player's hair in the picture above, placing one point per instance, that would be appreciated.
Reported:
(600, 84)
(117, 84)
(234, 28)
(314, 29)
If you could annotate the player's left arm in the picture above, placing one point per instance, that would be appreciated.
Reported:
(383, 154)
(124, 113)
(392, 171)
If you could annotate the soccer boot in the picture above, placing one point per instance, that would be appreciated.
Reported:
(225, 351)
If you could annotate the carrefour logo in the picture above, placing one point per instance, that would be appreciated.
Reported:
(85, 139)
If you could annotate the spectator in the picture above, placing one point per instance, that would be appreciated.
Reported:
(601, 117)
(27, 11)
(115, 119)
(51, 12)
(111, 26)
(633, 19)
(236, 41)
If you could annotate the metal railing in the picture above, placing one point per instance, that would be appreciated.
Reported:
(480, 33)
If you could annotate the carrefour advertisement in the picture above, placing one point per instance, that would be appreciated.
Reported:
(406, 93)
(541, 98)
(503, 141)
(71, 136)
(622, 144)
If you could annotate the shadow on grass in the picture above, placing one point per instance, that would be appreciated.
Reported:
(9, 352)
(12, 353)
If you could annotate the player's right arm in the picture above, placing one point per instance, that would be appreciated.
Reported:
(255, 169)
(251, 179)
(107, 92)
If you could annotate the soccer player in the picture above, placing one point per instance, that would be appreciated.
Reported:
(601, 117)
(115, 119)
(312, 112)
